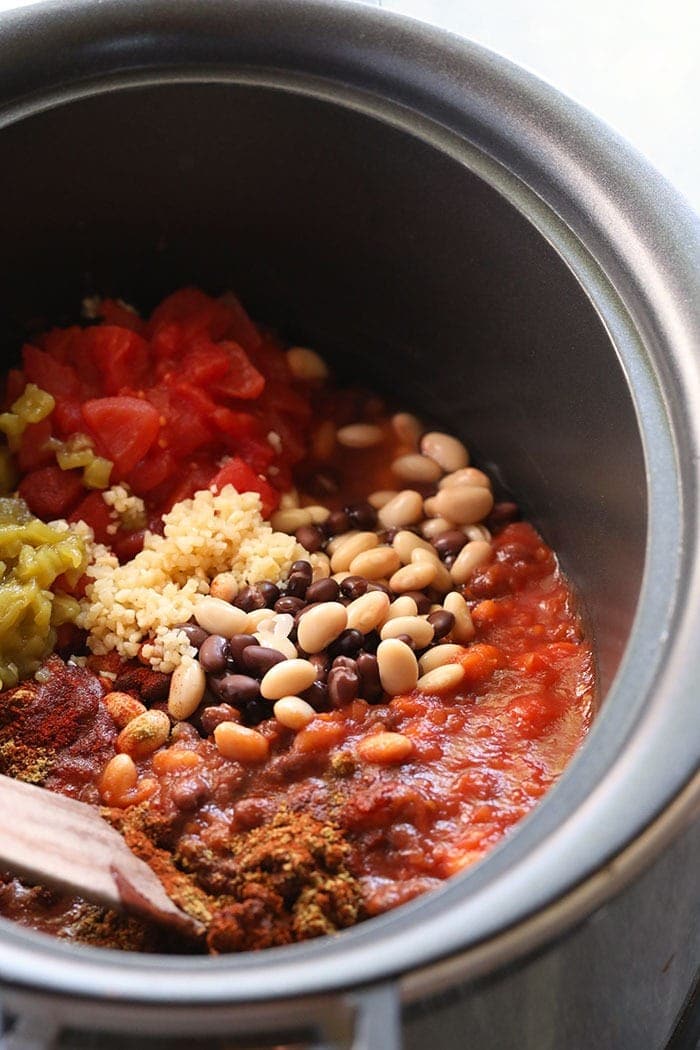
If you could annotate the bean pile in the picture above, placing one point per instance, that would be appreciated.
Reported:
(376, 610)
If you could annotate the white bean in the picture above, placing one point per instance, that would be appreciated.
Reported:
(381, 497)
(224, 586)
(306, 364)
(446, 450)
(442, 581)
(471, 556)
(289, 678)
(405, 542)
(420, 630)
(375, 564)
(432, 527)
(440, 679)
(368, 611)
(403, 606)
(463, 630)
(187, 685)
(398, 668)
(404, 509)
(407, 428)
(464, 504)
(320, 626)
(293, 712)
(416, 469)
(218, 617)
(345, 553)
(290, 520)
(438, 656)
(466, 476)
(413, 577)
(360, 435)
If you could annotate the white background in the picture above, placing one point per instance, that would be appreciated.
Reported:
(635, 63)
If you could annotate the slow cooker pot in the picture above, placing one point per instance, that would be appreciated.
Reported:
(443, 226)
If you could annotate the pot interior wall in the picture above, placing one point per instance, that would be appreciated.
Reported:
(410, 272)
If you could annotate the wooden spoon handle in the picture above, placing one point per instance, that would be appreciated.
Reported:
(54, 840)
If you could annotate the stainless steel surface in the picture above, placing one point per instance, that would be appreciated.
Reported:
(401, 197)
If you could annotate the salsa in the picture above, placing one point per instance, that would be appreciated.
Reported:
(379, 674)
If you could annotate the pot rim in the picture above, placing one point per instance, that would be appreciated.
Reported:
(635, 246)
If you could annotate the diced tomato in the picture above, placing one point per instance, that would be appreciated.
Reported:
(196, 476)
(205, 364)
(166, 342)
(126, 545)
(121, 356)
(270, 358)
(257, 454)
(243, 380)
(51, 492)
(61, 381)
(68, 418)
(239, 325)
(283, 398)
(152, 471)
(244, 479)
(59, 342)
(124, 428)
(14, 386)
(113, 312)
(35, 449)
(94, 511)
(237, 425)
(185, 410)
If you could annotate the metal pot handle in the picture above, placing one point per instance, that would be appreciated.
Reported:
(369, 1020)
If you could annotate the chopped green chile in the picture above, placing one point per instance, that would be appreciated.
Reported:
(32, 557)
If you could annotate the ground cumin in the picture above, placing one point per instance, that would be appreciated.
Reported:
(284, 881)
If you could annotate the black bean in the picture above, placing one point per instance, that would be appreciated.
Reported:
(310, 537)
(213, 716)
(270, 592)
(370, 685)
(323, 483)
(348, 643)
(422, 601)
(322, 664)
(258, 659)
(449, 560)
(345, 661)
(317, 695)
(442, 621)
(371, 642)
(342, 686)
(353, 587)
(189, 793)
(195, 633)
(297, 585)
(449, 542)
(304, 568)
(336, 523)
(289, 604)
(250, 599)
(257, 711)
(236, 689)
(323, 591)
(238, 643)
(214, 653)
(362, 515)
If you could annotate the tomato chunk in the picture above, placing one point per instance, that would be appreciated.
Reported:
(124, 427)
(51, 492)
(244, 479)
(120, 354)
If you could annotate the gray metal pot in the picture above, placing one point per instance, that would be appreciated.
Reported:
(444, 225)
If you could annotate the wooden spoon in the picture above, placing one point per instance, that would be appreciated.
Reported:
(57, 841)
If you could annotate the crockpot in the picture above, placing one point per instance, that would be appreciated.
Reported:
(452, 231)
